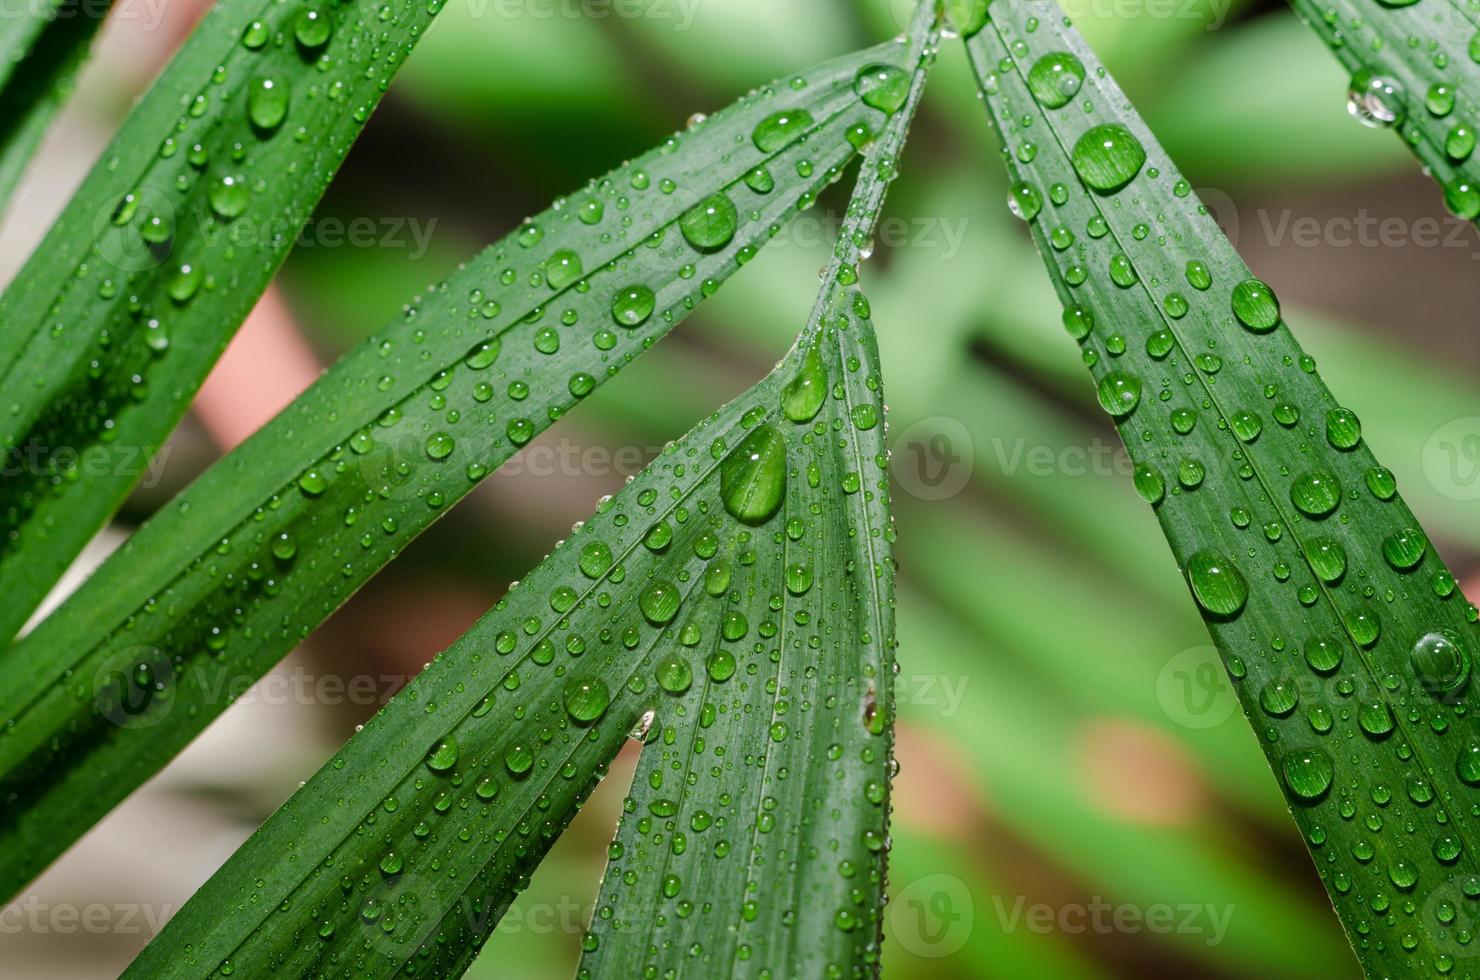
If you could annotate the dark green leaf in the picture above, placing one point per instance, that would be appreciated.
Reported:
(733, 609)
(40, 53)
(1346, 637)
(117, 317)
(1415, 69)
(227, 579)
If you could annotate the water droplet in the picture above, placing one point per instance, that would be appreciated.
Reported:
(780, 129)
(1255, 305)
(229, 196)
(633, 306)
(721, 666)
(443, 755)
(1055, 79)
(1119, 393)
(1343, 429)
(659, 602)
(753, 477)
(1024, 201)
(710, 224)
(1217, 585)
(518, 759)
(1323, 654)
(674, 674)
(1375, 100)
(255, 35)
(1108, 157)
(1462, 198)
(1467, 765)
(267, 102)
(1149, 484)
(312, 28)
(563, 268)
(1327, 559)
(1405, 549)
(1079, 321)
(1308, 774)
(1316, 494)
(883, 87)
(440, 445)
(804, 395)
(586, 700)
(1441, 663)
(967, 16)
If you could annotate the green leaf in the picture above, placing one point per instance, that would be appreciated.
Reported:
(215, 589)
(115, 320)
(732, 608)
(1415, 69)
(1346, 637)
(40, 53)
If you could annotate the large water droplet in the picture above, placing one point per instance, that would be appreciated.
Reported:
(1441, 663)
(1405, 549)
(1119, 393)
(312, 28)
(884, 87)
(1255, 305)
(674, 674)
(781, 128)
(803, 396)
(753, 477)
(443, 755)
(267, 102)
(586, 700)
(632, 307)
(1376, 100)
(1108, 157)
(710, 224)
(1217, 585)
(1308, 774)
(1055, 79)
(1316, 494)
(659, 602)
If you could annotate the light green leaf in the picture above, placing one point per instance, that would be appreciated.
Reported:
(732, 608)
(115, 320)
(40, 53)
(1415, 69)
(214, 590)
(1347, 639)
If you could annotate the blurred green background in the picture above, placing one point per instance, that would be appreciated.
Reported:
(1079, 796)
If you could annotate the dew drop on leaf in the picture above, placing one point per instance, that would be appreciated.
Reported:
(1308, 774)
(753, 477)
(883, 87)
(1108, 157)
(1055, 79)
(780, 129)
(710, 224)
(1217, 585)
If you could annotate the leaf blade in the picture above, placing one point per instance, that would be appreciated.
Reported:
(40, 55)
(1398, 81)
(117, 316)
(1261, 482)
(220, 585)
(616, 597)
